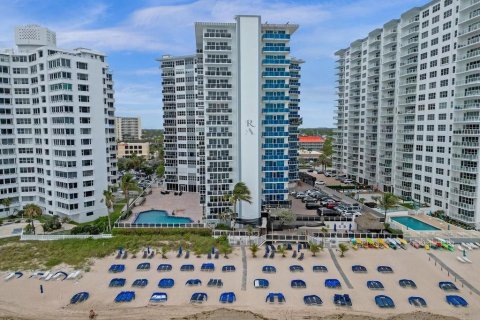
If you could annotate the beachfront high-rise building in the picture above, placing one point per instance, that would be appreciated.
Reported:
(57, 139)
(409, 106)
(231, 115)
(128, 128)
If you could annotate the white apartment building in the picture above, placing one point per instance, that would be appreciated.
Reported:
(409, 108)
(128, 128)
(57, 131)
(231, 114)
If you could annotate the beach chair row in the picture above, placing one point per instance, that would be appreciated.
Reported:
(145, 266)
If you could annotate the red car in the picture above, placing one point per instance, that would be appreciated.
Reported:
(331, 205)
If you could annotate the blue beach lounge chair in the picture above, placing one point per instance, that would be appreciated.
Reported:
(228, 268)
(193, 282)
(217, 283)
(140, 283)
(417, 301)
(384, 269)
(359, 269)
(298, 284)
(383, 301)
(456, 301)
(166, 283)
(278, 297)
(208, 267)
(164, 267)
(158, 297)
(407, 283)
(260, 283)
(320, 269)
(296, 268)
(199, 297)
(117, 282)
(312, 300)
(375, 285)
(333, 283)
(227, 297)
(269, 269)
(144, 266)
(187, 268)
(79, 297)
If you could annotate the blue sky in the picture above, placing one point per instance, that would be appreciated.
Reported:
(134, 33)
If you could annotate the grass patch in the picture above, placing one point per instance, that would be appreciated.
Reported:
(408, 205)
(31, 255)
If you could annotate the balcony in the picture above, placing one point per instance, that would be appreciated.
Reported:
(276, 61)
(462, 205)
(275, 49)
(275, 74)
(468, 119)
(470, 182)
(276, 36)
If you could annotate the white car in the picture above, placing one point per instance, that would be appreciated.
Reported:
(319, 183)
(348, 181)
(351, 213)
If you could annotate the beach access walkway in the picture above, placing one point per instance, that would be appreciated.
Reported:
(339, 268)
(244, 269)
(453, 273)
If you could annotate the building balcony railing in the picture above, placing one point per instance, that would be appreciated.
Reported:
(470, 182)
(276, 36)
(276, 49)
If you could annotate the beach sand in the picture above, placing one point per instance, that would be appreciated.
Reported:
(21, 298)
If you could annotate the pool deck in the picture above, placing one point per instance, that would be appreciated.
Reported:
(186, 205)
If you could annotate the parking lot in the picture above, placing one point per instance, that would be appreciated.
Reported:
(330, 181)
(299, 207)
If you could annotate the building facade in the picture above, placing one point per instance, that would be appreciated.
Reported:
(408, 108)
(231, 114)
(57, 141)
(128, 128)
(311, 143)
(127, 149)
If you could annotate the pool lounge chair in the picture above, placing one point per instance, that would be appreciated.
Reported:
(79, 297)
(193, 282)
(208, 267)
(359, 269)
(294, 255)
(447, 286)
(417, 301)
(119, 255)
(215, 283)
(217, 255)
(320, 269)
(298, 284)
(333, 283)
(60, 275)
(117, 282)
(228, 268)
(187, 254)
(272, 297)
(296, 268)
(164, 267)
(166, 283)
(383, 301)
(269, 269)
(145, 254)
(125, 255)
(158, 297)
(74, 275)
(312, 300)
(260, 283)
(407, 283)
(375, 285)
(227, 297)
(456, 301)
(384, 269)
(187, 268)
(125, 296)
(209, 256)
(300, 258)
(140, 283)
(198, 297)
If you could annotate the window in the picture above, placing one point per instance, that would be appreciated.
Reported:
(446, 48)
(433, 52)
(82, 65)
(434, 41)
(447, 25)
(443, 83)
(435, 19)
(447, 14)
(446, 37)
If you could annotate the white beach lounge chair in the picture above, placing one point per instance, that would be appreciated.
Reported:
(461, 259)
(467, 260)
(45, 275)
(10, 276)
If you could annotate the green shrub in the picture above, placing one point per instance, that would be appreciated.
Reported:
(28, 229)
(87, 229)
(340, 187)
(222, 226)
(392, 230)
(52, 224)
(163, 231)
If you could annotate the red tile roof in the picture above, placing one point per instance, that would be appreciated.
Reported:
(311, 139)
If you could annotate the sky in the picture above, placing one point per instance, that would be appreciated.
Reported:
(135, 33)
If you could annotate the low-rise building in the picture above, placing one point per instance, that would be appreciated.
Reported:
(126, 149)
(311, 143)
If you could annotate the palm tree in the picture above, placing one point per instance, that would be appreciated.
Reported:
(282, 250)
(109, 198)
(249, 232)
(7, 202)
(32, 211)
(240, 193)
(254, 249)
(387, 201)
(126, 184)
(343, 248)
(315, 248)
(225, 250)
(323, 160)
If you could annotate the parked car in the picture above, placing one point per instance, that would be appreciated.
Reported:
(312, 205)
(300, 195)
(293, 193)
(327, 174)
(351, 213)
(308, 199)
(331, 205)
(310, 170)
(327, 212)
(328, 200)
(348, 181)
(319, 183)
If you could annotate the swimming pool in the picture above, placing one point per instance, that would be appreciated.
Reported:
(159, 217)
(414, 224)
